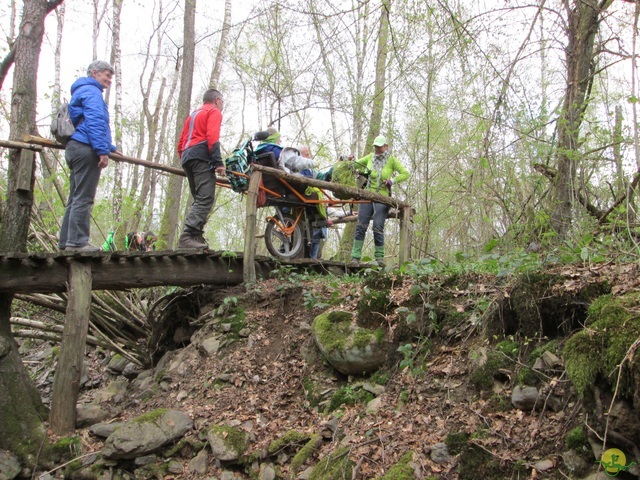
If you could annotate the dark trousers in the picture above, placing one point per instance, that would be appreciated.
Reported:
(202, 183)
(367, 211)
(83, 183)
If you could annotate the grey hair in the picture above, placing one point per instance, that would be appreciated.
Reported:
(210, 95)
(99, 66)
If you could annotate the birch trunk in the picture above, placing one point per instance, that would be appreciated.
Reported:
(169, 224)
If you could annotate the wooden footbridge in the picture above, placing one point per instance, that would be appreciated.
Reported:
(50, 272)
(78, 273)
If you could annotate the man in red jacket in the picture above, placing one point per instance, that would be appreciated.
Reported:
(200, 157)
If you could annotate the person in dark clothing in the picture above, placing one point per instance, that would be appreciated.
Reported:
(86, 153)
(201, 160)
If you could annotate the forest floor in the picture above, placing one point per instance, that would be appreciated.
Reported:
(275, 381)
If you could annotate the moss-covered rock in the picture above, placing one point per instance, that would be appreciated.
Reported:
(477, 463)
(484, 375)
(227, 443)
(595, 352)
(336, 466)
(350, 349)
(401, 470)
(146, 433)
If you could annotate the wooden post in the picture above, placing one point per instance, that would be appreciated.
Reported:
(248, 267)
(66, 382)
(25, 170)
(405, 235)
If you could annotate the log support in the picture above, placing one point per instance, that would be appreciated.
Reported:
(66, 382)
(405, 235)
(249, 269)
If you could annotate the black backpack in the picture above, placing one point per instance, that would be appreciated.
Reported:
(61, 126)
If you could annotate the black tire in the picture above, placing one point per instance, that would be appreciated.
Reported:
(281, 246)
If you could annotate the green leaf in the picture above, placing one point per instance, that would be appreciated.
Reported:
(415, 290)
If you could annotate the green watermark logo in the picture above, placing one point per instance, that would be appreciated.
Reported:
(614, 461)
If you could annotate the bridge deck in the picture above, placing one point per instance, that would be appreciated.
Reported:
(49, 272)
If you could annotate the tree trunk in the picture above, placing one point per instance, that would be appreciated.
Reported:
(21, 410)
(169, 224)
(381, 70)
(117, 123)
(376, 111)
(222, 46)
(583, 19)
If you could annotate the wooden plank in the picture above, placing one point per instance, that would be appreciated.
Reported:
(25, 170)
(66, 382)
(249, 270)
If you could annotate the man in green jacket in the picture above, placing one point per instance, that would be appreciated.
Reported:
(383, 168)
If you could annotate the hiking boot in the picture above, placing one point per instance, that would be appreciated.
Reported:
(355, 262)
(380, 262)
(88, 248)
(192, 241)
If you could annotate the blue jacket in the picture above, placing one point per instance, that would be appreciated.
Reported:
(269, 147)
(89, 114)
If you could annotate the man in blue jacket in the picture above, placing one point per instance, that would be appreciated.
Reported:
(87, 153)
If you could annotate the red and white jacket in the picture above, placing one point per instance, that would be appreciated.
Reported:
(200, 137)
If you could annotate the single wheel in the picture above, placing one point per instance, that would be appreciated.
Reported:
(281, 245)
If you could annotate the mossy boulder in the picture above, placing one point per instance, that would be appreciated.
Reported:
(592, 354)
(227, 443)
(146, 433)
(350, 349)
(336, 466)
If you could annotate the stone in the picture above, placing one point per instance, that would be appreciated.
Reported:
(540, 365)
(374, 405)
(9, 465)
(574, 462)
(105, 429)
(525, 398)
(306, 473)
(90, 414)
(175, 467)
(200, 463)
(116, 389)
(544, 465)
(144, 460)
(350, 349)
(377, 390)
(117, 364)
(440, 453)
(478, 357)
(551, 359)
(267, 472)
(227, 443)
(147, 433)
(210, 346)
(182, 394)
(131, 371)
